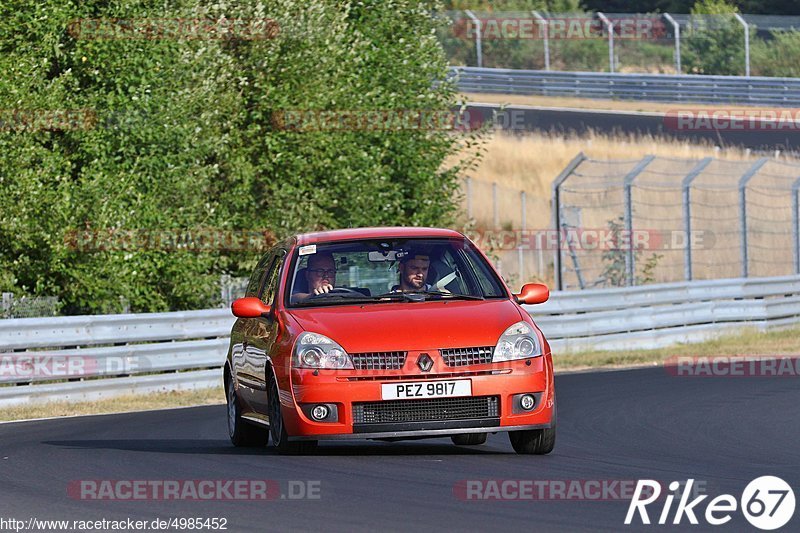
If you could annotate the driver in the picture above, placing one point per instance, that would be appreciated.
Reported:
(320, 275)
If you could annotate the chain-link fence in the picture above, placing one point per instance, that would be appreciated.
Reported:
(726, 44)
(662, 219)
(12, 306)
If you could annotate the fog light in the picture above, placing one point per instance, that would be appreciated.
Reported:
(319, 412)
(527, 402)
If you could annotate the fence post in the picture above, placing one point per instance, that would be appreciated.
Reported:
(610, 28)
(796, 225)
(8, 298)
(676, 28)
(746, 43)
(686, 185)
(743, 208)
(546, 37)
(478, 27)
(630, 266)
(521, 232)
(469, 198)
(495, 213)
(556, 208)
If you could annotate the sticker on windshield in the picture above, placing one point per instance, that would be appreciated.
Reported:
(310, 249)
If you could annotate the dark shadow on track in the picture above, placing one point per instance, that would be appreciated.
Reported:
(220, 447)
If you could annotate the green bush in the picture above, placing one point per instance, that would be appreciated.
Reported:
(779, 56)
(184, 138)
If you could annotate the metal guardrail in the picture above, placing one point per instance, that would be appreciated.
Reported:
(145, 353)
(783, 92)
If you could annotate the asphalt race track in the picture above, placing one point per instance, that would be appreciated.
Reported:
(560, 121)
(623, 425)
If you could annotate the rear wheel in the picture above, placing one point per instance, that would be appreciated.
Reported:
(277, 429)
(535, 441)
(469, 439)
(240, 432)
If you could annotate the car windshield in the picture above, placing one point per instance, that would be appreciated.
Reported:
(385, 270)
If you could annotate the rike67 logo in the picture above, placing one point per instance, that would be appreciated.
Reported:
(767, 503)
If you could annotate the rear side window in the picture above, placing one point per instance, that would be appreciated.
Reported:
(270, 287)
(257, 278)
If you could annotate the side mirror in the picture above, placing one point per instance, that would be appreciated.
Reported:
(250, 308)
(533, 293)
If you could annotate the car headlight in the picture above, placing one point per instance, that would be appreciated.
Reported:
(519, 341)
(313, 350)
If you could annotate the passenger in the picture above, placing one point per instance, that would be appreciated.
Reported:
(320, 276)
(413, 273)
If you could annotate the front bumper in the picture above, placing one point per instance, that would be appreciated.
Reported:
(346, 389)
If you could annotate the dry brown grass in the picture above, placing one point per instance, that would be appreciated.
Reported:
(121, 404)
(749, 342)
(531, 162)
(586, 103)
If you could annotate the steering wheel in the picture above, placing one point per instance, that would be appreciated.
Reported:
(338, 290)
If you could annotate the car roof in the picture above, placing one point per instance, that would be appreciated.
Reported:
(375, 233)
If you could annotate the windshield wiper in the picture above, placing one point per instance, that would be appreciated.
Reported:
(333, 299)
(454, 295)
(400, 295)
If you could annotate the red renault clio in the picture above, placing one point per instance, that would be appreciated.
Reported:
(386, 333)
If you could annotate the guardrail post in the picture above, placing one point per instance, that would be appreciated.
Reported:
(746, 43)
(796, 225)
(479, 29)
(610, 28)
(630, 266)
(752, 171)
(676, 29)
(686, 185)
(561, 178)
(545, 37)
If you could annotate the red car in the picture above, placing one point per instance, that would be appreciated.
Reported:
(386, 333)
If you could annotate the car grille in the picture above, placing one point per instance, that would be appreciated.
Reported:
(432, 409)
(467, 356)
(378, 360)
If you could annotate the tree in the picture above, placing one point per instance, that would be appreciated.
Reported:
(181, 136)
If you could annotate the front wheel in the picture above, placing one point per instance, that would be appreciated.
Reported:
(535, 441)
(277, 429)
(240, 432)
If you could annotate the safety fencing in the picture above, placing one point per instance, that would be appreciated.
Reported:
(77, 358)
(660, 219)
(740, 90)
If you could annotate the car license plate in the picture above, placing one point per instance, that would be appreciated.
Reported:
(426, 389)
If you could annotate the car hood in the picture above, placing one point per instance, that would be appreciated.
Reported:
(411, 326)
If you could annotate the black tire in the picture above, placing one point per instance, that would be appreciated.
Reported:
(242, 433)
(469, 439)
(277, 429)
(534, 441)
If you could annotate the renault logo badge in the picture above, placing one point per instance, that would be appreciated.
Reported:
(425, 362)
